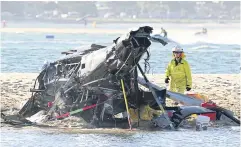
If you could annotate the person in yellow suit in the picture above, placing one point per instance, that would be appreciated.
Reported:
(178, 70)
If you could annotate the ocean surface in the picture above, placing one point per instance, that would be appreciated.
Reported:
(213, 137)
(215, 53)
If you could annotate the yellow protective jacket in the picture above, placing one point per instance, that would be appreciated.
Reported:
(146, 113)
(180, 75)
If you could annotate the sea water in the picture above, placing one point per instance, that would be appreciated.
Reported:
(218, 137)
(215, 53)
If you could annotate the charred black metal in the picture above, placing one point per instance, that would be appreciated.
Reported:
(91, 76)
(73, 82)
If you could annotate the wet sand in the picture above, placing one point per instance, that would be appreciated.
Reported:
(223, 89)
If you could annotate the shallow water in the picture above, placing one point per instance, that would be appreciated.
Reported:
(223, 57)
(218, 137)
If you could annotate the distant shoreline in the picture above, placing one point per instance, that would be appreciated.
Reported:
(62, 30)
(125, 20)
(102, 20)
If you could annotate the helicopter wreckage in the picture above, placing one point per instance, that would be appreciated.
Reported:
(97, 83)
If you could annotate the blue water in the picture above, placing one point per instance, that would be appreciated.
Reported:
(225, 137)
(26, 52)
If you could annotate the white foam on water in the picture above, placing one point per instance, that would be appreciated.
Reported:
(181, 33)
(218, 36)
(204, 47)
(217, 33)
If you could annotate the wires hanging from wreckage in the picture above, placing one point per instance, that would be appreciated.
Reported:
(87, 84)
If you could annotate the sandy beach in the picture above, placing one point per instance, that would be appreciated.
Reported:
(223, 89)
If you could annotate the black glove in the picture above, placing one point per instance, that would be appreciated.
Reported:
(188, 88)
(167, 80)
